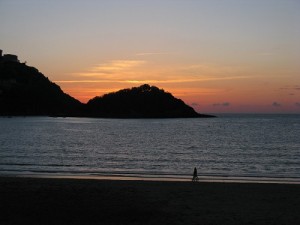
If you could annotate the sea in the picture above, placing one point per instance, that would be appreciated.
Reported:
(230, 145)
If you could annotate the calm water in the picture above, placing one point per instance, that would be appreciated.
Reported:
(236, 145)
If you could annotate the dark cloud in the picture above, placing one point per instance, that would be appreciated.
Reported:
(194, 104)
(297, 104)
(276, 104)
(222, 104)
(291, 87)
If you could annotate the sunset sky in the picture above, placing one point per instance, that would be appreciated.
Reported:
(217, 55)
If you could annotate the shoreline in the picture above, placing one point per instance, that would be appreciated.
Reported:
(49, 201)
(162, 178)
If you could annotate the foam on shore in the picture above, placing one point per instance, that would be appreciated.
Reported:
(166, 178)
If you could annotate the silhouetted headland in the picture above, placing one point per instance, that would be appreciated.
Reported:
(24, 91)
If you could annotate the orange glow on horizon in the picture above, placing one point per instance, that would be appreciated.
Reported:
(203, 100)
(206, 87)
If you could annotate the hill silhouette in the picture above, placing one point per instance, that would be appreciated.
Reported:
(140, 102)
(24, 91)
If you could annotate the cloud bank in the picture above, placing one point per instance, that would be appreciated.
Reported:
(276, 104)
(224, 104)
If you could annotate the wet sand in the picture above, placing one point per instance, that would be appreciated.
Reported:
(80, 201)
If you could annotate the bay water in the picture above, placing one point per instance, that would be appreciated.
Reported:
(226, 146)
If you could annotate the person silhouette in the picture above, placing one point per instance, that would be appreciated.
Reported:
(195, 175)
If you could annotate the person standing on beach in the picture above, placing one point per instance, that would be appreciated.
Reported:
(195, 175)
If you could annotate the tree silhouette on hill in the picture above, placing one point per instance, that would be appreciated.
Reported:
(140, 102)
(25, 91)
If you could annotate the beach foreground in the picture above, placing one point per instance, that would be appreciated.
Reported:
(78, 201)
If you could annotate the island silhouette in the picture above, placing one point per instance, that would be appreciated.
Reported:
(24, 91)
(144, 101)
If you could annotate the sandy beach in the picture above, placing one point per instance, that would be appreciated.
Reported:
(78, 201)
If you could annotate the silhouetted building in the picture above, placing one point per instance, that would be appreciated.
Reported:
(8, 57)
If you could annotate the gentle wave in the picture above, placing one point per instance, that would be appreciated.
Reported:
(232, 146)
